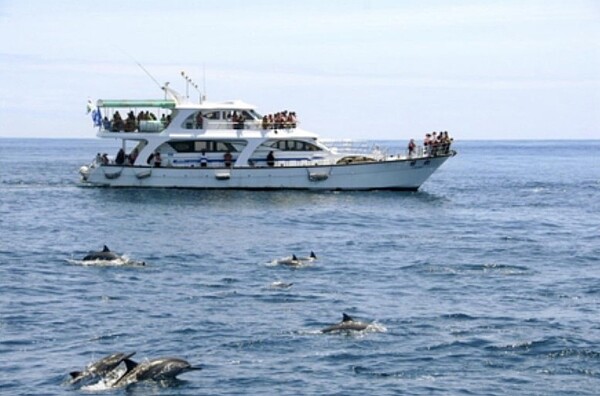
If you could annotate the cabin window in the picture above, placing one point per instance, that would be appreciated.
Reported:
(294, 145)
(194, 121)
(255, 115)
(213, 115)
(196, 146)
(222, 146)
(182, 146)
(247, 115)
(201, 145)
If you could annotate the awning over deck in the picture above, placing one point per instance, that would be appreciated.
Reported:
(165, 104)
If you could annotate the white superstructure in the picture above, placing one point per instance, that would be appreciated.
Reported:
(175, 143)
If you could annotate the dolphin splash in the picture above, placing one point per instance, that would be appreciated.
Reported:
(106, 257)
(348, 324)
(295, 261)
(99, 368)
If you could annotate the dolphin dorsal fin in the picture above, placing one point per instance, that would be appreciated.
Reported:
(313, 255)
(294, 257)
(346, 318)
(130, 364)
(106, 249)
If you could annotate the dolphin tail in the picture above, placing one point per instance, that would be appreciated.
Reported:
(346, 318)
(106, 249)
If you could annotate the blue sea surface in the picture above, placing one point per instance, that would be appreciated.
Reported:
(484, 282)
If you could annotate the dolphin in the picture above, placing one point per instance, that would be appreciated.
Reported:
(347, 324)
(281, 285)
(295, 261)
(100, 368)
(312, 257)
(105, 255)
(157, 370)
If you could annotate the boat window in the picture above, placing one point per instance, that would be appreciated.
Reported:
(200, 145)
(247, 115)
(294, 145)
(213, 115)
(196, 146)
(182, 146)
(222, 146)
(194, 121)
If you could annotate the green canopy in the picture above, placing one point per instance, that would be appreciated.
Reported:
(165, 104)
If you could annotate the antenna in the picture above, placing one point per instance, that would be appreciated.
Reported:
(188, 82)
(204, 81)
(141, 67)
(148, 73)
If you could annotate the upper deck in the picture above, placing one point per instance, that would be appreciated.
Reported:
(170, 116)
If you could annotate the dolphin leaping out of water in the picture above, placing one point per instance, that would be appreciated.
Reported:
(347, 324)
(156, 370)
(99, 368)
(105, 255)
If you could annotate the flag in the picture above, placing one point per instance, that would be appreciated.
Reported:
(97, 117)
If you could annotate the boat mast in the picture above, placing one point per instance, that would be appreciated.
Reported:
(188, 82)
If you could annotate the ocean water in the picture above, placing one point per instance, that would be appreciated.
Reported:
(485, 282)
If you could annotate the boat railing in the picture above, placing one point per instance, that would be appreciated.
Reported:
(357, 147)
(305, 162)
(380, 152)
(248, 124)
(437, 150)
(143, 126)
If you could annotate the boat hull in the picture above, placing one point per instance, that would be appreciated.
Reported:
(406, 174)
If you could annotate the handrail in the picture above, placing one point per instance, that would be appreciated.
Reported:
(248, 124)
(357, 147)
(120, 103)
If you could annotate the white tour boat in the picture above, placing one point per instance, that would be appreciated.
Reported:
(176, 143)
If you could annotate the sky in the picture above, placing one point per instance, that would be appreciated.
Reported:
(357, 69)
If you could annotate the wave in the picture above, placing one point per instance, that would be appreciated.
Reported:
(412, 374)
(553, 347)
(118, 262)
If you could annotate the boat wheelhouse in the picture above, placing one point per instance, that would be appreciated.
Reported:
(219, 145)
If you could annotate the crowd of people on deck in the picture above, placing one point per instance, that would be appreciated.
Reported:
(132, 122)
(434, 144)
(437, 143)
(281, 120)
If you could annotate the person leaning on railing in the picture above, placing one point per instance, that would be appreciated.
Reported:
(437, 144)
